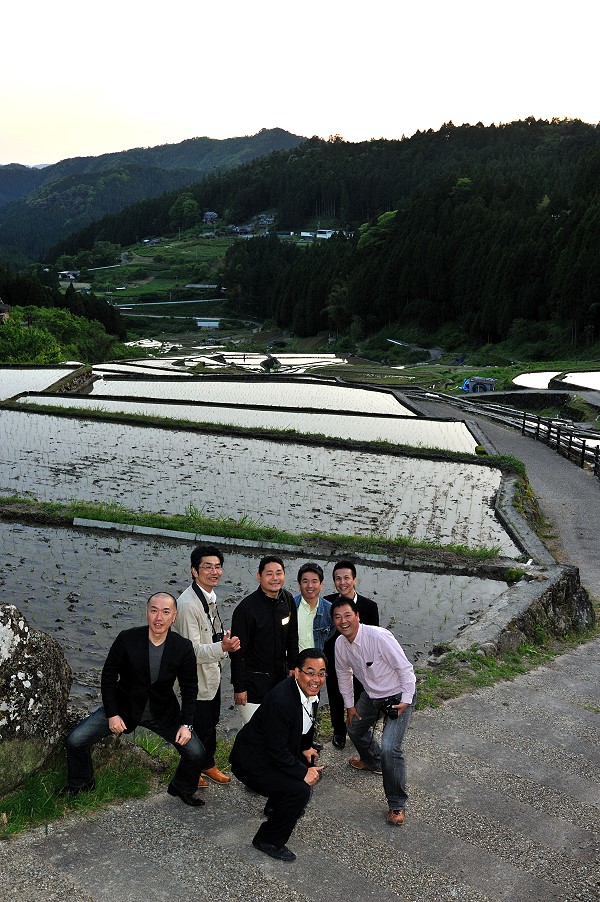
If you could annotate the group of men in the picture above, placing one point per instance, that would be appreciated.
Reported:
(282, 650)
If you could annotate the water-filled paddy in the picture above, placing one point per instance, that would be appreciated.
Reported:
(294, 488)
(275, 393)
(16, 379)
(83, 587)
(407, 431)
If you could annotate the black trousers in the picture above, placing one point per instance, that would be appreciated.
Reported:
(206, 718)
(287, 796)
(80, 740)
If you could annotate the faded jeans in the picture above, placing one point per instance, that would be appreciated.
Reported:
(95, 727)
(390, 755)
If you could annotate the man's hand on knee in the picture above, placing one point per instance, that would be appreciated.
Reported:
(116, 725)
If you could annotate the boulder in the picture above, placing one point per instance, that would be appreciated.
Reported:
(35, 681)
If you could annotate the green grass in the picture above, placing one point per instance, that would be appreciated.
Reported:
(460, 672)
(62, 514)
(36, 802)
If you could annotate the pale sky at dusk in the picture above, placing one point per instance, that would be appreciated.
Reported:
(84, 79)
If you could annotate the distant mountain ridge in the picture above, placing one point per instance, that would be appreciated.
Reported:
(39, 206)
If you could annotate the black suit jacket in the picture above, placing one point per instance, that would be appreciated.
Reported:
(273, 738)
(126, 686)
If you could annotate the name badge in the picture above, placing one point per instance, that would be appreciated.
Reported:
(285, 620)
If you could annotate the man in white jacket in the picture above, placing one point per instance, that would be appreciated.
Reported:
(199, 621)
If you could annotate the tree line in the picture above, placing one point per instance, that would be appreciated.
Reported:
(490, 229)
(49, 325)
(488, 255)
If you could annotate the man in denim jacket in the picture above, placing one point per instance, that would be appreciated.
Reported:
(315, 626)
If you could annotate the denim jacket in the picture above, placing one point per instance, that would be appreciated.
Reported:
(323, 627)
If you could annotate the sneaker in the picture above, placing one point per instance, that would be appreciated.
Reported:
(359, 764)
(395, 817)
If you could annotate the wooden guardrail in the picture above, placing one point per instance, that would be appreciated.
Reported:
(578, 445)
(581, 446)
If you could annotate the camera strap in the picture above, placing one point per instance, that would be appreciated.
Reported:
(204, 602)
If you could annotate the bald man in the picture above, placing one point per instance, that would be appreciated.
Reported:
(137, 690)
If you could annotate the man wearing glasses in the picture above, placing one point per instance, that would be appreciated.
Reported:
(273, 753)
(199, 621)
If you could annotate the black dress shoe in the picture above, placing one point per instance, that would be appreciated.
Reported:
(281, 853)
(75, 790)
(186, 797)
(338, 741)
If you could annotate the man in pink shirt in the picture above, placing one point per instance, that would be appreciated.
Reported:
(374, 656)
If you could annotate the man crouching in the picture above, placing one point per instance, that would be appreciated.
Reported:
(273, 754)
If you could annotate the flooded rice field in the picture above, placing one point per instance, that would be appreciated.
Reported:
(291, 487)
(408, 431)
(83, 587)
(269, 393)
(17, 379)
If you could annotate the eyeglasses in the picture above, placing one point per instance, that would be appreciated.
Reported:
(207, 567)
(321, 674)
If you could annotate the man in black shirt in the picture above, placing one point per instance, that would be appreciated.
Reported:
(266, 624)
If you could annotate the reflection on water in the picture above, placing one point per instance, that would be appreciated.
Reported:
(83, 587)
(294, 487)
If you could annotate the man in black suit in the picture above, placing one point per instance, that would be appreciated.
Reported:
(344, 578)
(137, 689)
(273, 754)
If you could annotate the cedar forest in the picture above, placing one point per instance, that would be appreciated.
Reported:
(467, 237)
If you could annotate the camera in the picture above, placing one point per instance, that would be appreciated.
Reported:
(218, 637)
(388, 706)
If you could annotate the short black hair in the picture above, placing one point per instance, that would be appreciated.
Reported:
(340, 602)
(307, 653)
(311, 567)
(205, 551)
(345, 565)
(269, 559)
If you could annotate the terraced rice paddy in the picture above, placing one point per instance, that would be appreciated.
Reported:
(405, 431)
(294, 488)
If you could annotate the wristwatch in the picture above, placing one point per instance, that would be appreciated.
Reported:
(188, 726)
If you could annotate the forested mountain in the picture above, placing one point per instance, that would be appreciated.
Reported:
(482, 231)
(40, 206)
(469, 234)
(468, 260)
(350, 184)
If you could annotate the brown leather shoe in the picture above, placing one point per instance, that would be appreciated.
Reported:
(202, 783)
(217, 775)
(359, 764)
(395, 818)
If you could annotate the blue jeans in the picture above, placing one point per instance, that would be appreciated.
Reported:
(390, 755)
(95, 727)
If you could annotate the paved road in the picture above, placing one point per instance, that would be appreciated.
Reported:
(568, 496)
(505, 795)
